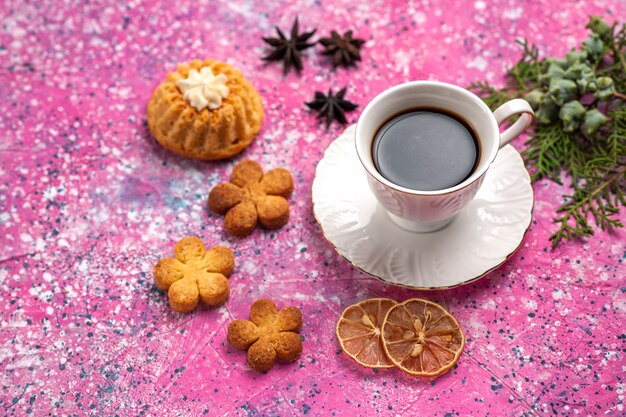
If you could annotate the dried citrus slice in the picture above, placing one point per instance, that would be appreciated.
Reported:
(358, 331)
(422, 338)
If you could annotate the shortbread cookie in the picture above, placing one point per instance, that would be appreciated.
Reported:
(195, 275)
(252, 196)
(268, 335)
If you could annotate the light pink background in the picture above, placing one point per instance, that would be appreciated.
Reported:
(89, 202)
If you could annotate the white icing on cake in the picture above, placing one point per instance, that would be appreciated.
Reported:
(203, 89)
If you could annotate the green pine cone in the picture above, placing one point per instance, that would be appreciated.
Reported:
(600, 27)
(555, 72)
(534, 98)
(606, 88)
(593, 120)
(571, 114)
(594, 46)
(548, 111)
(573, 57)
(561, 91)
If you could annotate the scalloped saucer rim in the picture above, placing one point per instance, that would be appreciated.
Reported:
(361, 231)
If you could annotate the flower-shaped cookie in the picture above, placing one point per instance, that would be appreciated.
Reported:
(268, 335)
(252, 196)
(195, 274)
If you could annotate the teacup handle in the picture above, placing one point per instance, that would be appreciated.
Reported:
(511, 108)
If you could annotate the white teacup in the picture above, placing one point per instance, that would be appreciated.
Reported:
(427, 211)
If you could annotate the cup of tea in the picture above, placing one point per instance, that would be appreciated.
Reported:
(426, 147)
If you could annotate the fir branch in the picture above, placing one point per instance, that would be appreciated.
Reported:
(587, 141)
(542, 153)
(604, 188)
(599, 200)
(527, 71)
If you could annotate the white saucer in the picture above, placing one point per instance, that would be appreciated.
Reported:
(479, 239)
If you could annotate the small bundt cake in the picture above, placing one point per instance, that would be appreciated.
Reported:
(205, 110)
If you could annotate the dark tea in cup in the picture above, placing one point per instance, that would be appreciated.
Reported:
(425, 149)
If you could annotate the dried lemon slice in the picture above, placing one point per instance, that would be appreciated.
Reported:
(422, 338)
(359, 331)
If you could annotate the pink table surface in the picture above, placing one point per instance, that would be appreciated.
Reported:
(89, 202)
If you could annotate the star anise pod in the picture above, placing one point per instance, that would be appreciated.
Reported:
(331, 107)
(289, 49)
(344, 50)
